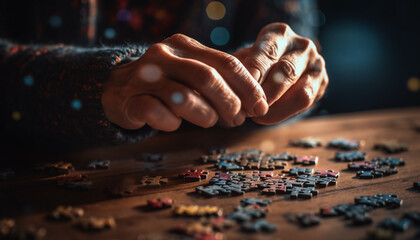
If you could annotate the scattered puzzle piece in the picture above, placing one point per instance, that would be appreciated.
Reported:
(389, 161)
(65, 180)
(328, 212)
(258, 226)
(299, 171)
(97, 223)
(306, 160)
(63, 213)
(308, 142)
(413, 216)
(155, 181)
(416, 185)
(251, 201)
(303, 192)
(327, 173)
(194, 229)
(214, 190)
(197, 211)
(393, 224)
(160, 203)
(350, 156)
(218, 223)
(245, 214)
(368, 174)
(228, 166)
(362, 166)
(194, 175)
(99, 164)
(391, 146)
(55, 168)
(308, 219)
(345, 144)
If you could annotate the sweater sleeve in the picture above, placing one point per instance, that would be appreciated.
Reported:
(52, 94)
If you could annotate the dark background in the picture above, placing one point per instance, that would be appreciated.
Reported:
(371, 49)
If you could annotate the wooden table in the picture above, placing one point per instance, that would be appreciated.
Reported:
(28, 197)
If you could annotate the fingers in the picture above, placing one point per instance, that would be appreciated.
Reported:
(272, 42)
(209, 83)
(184, 102)
(298, 98)
(229, 67)
(288, 69)
(144, 109)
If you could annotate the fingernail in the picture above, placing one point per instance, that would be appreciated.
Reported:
(239, 119)
(261, 107)
(255, 73)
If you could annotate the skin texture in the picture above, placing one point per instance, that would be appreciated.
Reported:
(281, 75)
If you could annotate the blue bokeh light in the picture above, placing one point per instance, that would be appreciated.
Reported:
(219, 36)
(76, 104)
(110, 33)
(28, 80)
(55, 21)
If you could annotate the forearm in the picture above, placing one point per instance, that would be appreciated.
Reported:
(54, 91)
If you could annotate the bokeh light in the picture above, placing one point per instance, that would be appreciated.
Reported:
(413, 84)
(124, 15)
(76, 104)
(55, 21)
(177, 98)
(150, 73)
(278, 77)
(110, 33)
(219, 36)
(215, 10)
(28, 80)
(16, 116)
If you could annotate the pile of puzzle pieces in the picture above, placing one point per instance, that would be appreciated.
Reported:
(248, 215)
(390, 226)
(357, 212)
(299, 183)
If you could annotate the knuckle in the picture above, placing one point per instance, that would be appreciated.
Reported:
(277, 27)
(230, 63)
(177, 37)
(270, 49)
(288, 69)
(157, 48)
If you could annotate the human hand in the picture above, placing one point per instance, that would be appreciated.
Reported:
(289, 69)
(182, 79)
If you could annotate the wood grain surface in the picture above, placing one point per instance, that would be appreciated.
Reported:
(28, 196)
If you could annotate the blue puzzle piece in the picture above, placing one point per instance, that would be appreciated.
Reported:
(228, 166)
(350, 156)
(259, 225)
(253, 201)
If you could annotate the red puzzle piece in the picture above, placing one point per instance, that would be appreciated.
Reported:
(306, 160)
(194, 175)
